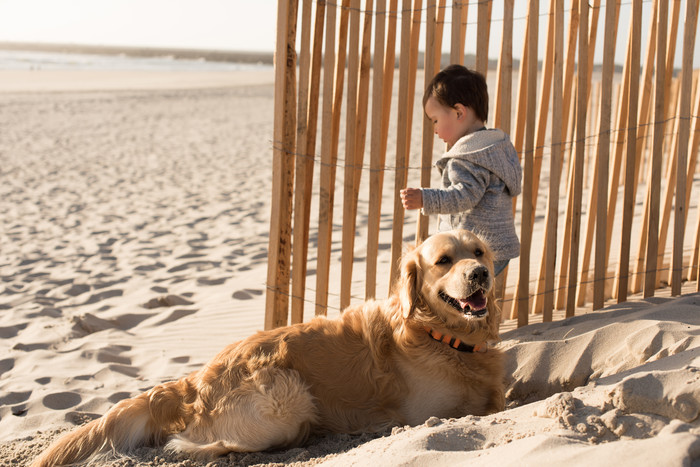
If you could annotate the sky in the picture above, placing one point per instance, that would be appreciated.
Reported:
(242, 25)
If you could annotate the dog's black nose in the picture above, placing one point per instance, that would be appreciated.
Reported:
(478, 274)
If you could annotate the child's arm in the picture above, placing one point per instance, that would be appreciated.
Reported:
(468, 181)
(412, 198)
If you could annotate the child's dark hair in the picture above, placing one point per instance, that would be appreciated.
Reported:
(457, 84)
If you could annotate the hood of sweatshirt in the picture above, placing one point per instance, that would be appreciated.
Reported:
(492, 150)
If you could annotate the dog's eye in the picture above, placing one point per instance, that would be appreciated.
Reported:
(478, 252)
(444, 260)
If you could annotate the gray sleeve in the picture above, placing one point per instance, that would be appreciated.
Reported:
(468, 183)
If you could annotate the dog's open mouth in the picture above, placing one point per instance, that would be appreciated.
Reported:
(474, 305)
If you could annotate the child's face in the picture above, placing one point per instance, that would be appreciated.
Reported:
(451, 123)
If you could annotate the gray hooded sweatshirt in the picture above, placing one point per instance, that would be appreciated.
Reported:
(480, 176)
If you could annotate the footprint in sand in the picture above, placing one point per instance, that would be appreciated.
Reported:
(166, 301)
(6, 365)
(12, 331)
(12, 398)
(98, 297)
(207, 281)
(61, 400)
(196, 265)
(246, 294)
(176, 315)
(118, 396)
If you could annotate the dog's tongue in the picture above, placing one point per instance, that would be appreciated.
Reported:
(476, 301)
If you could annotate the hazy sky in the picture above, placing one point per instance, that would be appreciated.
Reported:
(230, 24)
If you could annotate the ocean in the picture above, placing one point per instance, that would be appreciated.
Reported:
(52, 60)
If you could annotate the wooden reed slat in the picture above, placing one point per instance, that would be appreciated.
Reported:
(569, 84)
(402, 141)
(504, 85)
(482, 36)
(543, 113)
(348, 236)
(518, 142)
(592, 204)
(309, 78)
(696, 255)
(643, 125)
(654, 186)
(568, 158)
(521, 103)
(555, 162)
(432, 48)
(631, 151)
(279, 246)
(692, 162)
(376, 163)
(381, 105)
(671, 102)
(567, 128)
(578, 162)
(439, 29)
(619, 146)
(667, 104)
(504, 95)
(604, 155)
(334, 66)
(669, 153)
(459, 11)
(594, 13)
(527, 194)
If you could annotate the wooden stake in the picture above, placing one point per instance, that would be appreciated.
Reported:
(644, 123)
(309, 79)
(351, 156)
(432, 48)
(482, 36)
(376, 174)
(566, 244)
(555, 162)
(545, 93)
(279, 251)
(620, 143)
(329, 146)
(527, 195)
(578, 163)
(604, 154)
(402, 143)
(655, 179)
(691, 17)
(459, 24)
(504, 85)
(692, 162)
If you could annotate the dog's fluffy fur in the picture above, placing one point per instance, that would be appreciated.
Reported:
(374, 367)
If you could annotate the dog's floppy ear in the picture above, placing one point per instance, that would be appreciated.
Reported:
(494, 318)
(408, 285)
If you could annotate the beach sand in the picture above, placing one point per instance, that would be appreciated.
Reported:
(133, 247)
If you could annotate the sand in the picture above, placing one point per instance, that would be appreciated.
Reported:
(134, 226)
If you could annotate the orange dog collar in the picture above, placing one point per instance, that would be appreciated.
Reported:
(456, 343)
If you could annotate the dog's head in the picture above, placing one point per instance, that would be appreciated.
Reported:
(447, 282)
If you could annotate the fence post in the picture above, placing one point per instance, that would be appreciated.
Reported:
(279, 247)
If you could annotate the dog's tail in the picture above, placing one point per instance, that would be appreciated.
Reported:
(146, 419)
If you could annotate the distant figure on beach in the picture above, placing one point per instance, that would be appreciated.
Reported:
(480, 171)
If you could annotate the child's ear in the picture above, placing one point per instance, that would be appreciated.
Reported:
(461, 110)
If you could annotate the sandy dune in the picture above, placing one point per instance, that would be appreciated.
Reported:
(134, 228)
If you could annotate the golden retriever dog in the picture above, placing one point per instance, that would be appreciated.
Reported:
(422, 352)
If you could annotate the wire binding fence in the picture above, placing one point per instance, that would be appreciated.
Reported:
(594, 146)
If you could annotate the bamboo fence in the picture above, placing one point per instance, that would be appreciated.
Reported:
(587, 135)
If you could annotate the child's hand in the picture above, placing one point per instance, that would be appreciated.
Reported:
(412, 198)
